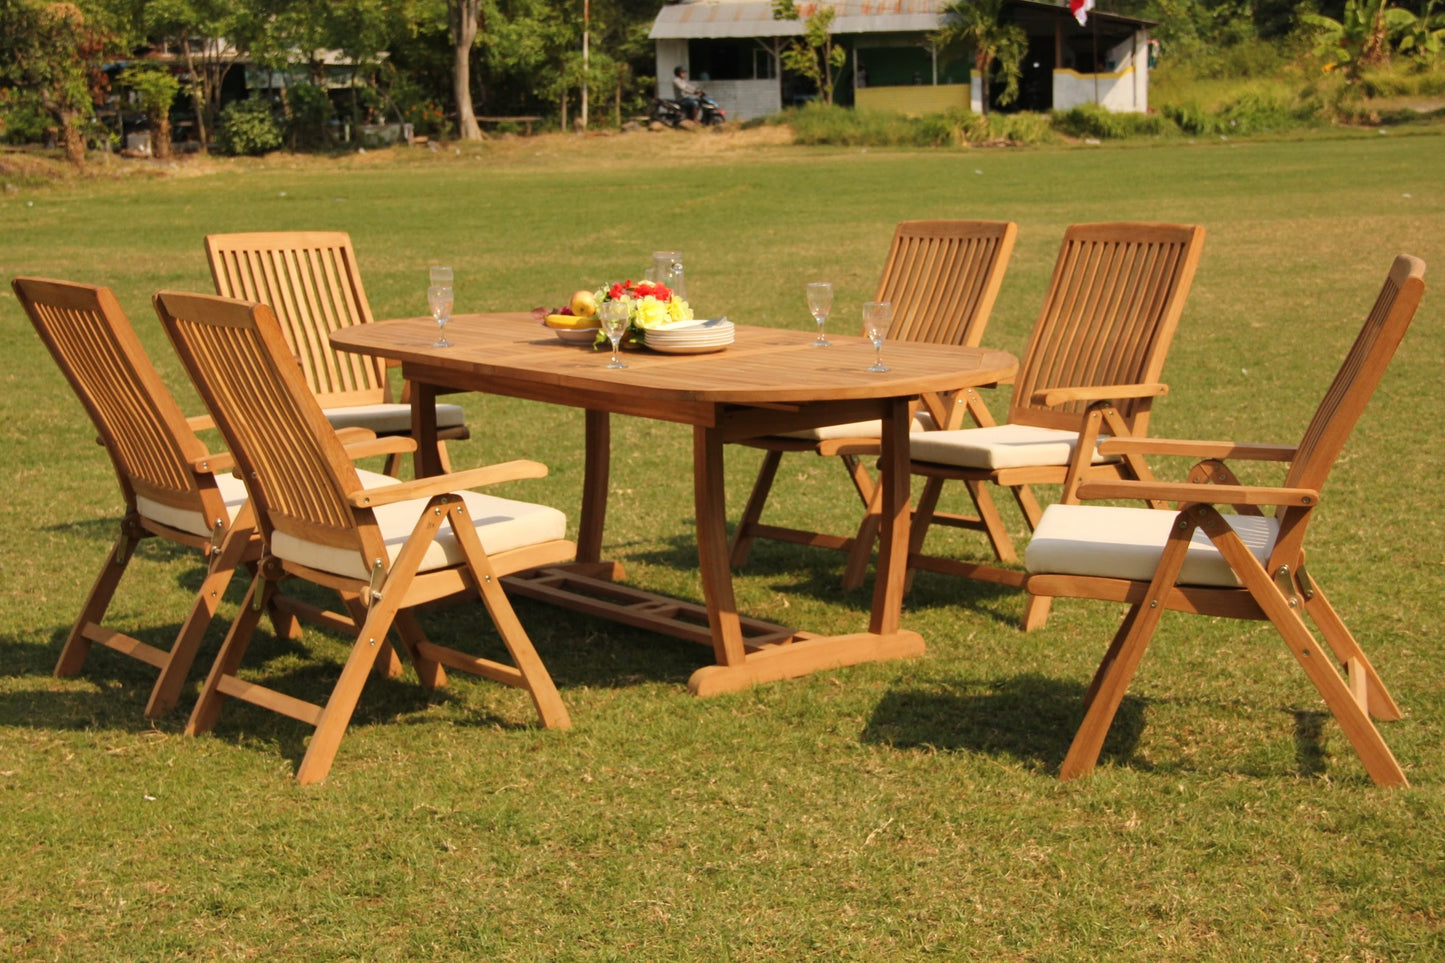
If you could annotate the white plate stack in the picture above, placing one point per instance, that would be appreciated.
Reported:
(691, 337)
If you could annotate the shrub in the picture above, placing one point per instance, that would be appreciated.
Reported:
(1090, 120)
(1021, 128)
(248, 127)
(21, 119)
(310, 114)
(1194, 120)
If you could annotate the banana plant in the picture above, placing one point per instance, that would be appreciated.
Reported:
(1361, 38)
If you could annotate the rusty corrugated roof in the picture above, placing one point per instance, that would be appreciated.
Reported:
(754, 18)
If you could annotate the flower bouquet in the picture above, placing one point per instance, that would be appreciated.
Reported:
(652, 305)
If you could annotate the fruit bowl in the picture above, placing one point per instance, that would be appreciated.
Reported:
(576, 335)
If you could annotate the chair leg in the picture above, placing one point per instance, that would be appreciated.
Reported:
(1379, 762)
(856, 570)
(228, 660)
(1028, 504)
(993, 525)
(77, 645)
(1378, 701)
(429, 671)
(744, 537)
(536, 680)
(1036, 612)
(1116, 671)
(1106, 692)
(919, 522)
(341, 704)
(388, 664)
(167, 688)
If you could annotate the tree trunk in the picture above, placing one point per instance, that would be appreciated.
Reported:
(983, 66)
(161, 145)
(464, 16)
(71, 137)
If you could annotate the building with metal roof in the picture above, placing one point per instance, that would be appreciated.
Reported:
(734, 49)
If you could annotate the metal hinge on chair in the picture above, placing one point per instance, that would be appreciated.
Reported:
(378, 576)
(1306, 584)
(1284, 581)
(218, 535)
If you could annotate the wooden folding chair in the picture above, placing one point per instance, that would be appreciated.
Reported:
(1092, 369)
(942, 278)
(311, 282)
(1240, 564)
(389, 545)
(173, 487)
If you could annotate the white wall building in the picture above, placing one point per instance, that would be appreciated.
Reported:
(733, 49)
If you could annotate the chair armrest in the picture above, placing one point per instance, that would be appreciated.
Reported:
(214, 463)
(1197, 449)
(443, 484)
(200, 422)
(1063, 394)
(363, 443)
(1208, 494)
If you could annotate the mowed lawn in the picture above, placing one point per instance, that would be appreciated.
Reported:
(889, 811)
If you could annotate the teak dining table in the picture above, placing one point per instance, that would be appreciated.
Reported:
(768, 381)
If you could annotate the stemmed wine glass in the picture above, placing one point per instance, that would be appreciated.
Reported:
(877, 315)
(439, 299)
(820, 302)
(614, 316)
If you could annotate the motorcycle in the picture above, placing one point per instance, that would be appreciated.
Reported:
(671, 113)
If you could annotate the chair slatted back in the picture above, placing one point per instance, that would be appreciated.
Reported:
(295, 467)
(1360, 373)
(942, 278)
(1109, 317)
(311, 282)
(141, 426)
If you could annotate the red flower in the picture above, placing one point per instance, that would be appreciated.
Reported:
(662, 292)
(617, 291)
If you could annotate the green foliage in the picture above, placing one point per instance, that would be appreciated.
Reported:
(248, 127)
(978, 28)
(1362, 38)
(22, 120)
(904, 811)
(814, 55)
(309, 114)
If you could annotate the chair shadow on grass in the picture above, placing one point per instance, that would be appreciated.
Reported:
(1028, 718)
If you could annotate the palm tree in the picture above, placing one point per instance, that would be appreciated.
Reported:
(977, 27)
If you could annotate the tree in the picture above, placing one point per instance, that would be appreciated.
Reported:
(977, 27)
(1360, 39)
(208, 33)
(463, 20)
(814, 55)
(156, 88)
(53, 53)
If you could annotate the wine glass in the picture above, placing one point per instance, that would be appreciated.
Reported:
(440, 274)
(820, 302)
(439, 299)
(877, 315)
(614, 316)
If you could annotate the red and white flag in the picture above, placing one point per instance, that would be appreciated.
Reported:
(1080, 9)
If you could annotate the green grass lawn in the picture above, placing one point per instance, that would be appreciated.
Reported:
(888, 811)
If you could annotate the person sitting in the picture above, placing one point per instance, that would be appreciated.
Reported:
(686, 93)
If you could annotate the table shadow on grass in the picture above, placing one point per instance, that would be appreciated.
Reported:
(1028, 718)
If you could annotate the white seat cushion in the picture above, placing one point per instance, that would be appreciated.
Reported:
(1000, 446)
(501, 523)
(391, 418)
(233, 492)
(854, 429)
(1118, 542)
